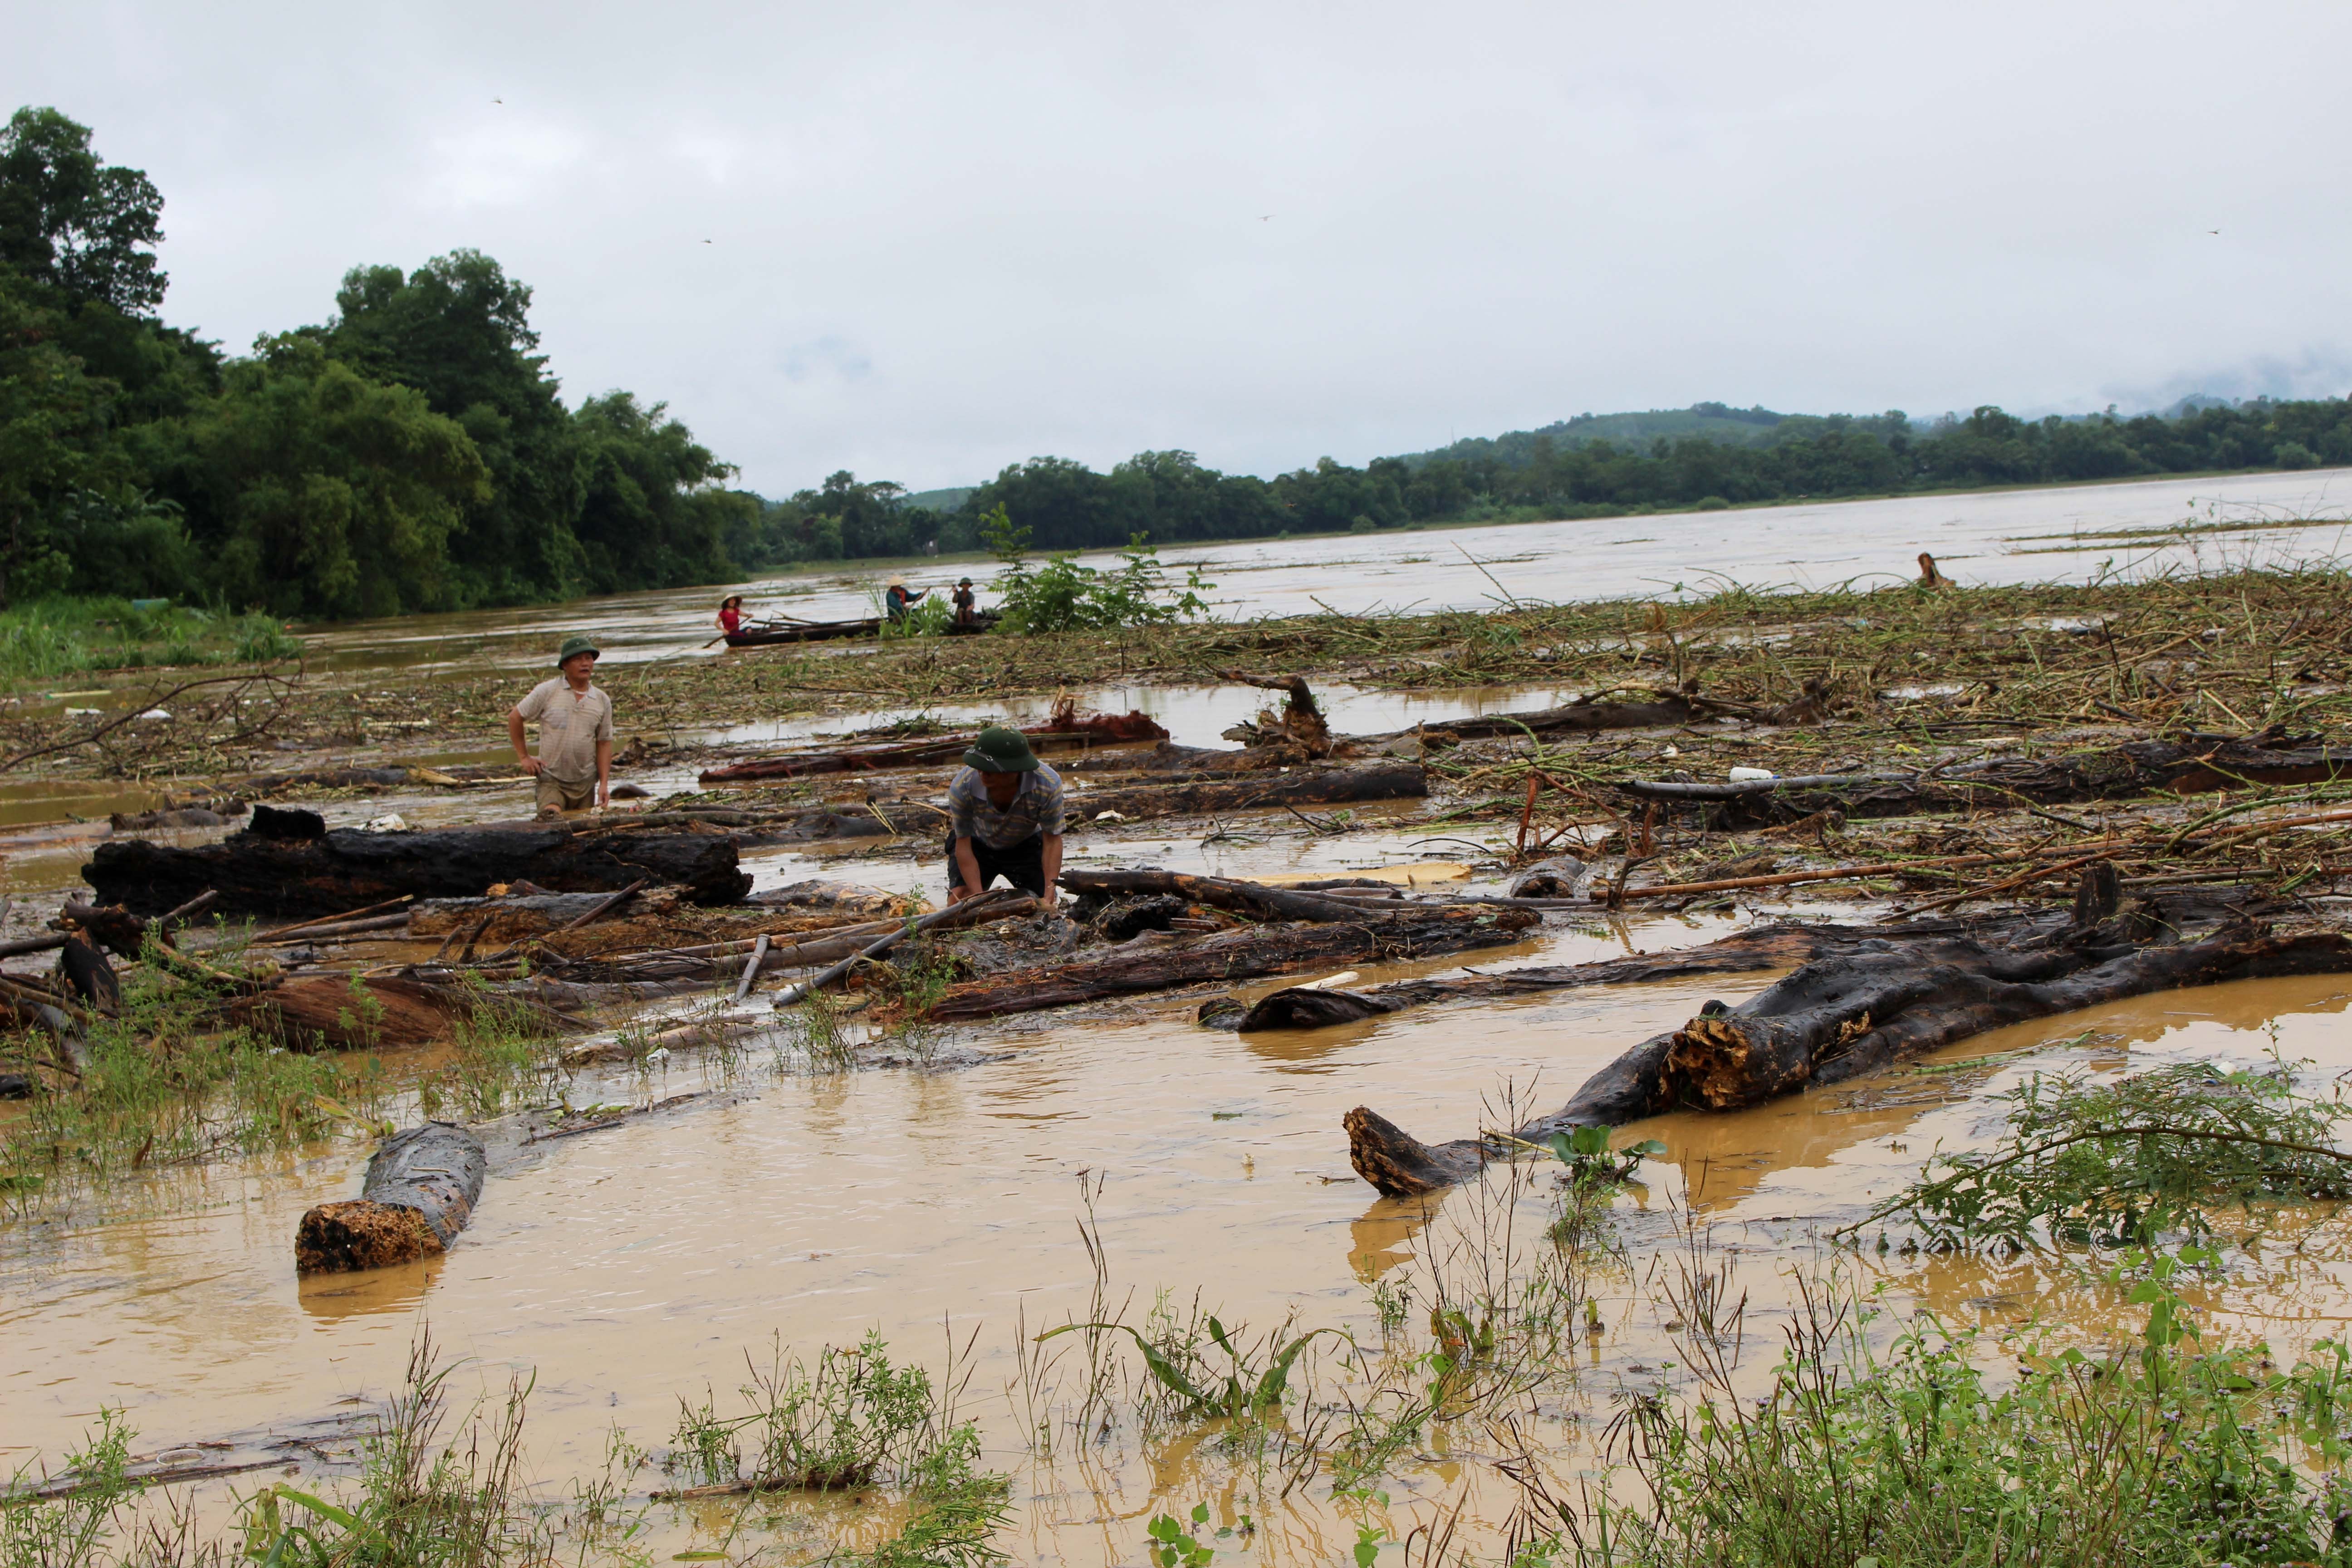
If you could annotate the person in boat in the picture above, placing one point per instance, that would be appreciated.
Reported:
(898, 600)
(730, 614)
(1004, 818)
(574, 765)
(965, 614)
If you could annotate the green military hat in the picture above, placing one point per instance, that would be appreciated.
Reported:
(579, 642)
(1001, 751)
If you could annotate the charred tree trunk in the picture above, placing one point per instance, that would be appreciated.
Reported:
(1576, 716)
(422, 1186)
(1092, 730)
(2199, 764)
(1879, 1002)
(1230, 955)
(289, 865)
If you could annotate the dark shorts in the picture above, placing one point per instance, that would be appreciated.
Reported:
(1022, 864)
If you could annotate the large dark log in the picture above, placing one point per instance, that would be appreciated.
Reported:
(2199, 765)
(1232, 955)
(422, 1186)
(1878, 1002)
(263, 873)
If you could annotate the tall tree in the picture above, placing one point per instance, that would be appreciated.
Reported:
(458, 330)
(72, 223)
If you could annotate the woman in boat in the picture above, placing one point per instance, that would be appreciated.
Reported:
(730, 614)
(898, 600)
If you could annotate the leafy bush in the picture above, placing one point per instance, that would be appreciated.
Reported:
(1062, 595)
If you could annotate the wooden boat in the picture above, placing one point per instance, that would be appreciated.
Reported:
(804, 631)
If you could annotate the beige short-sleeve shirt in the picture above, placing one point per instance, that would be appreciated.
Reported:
(569, 726)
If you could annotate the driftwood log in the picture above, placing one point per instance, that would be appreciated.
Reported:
(1764, 947)
(1878, 1002)
(1147, 966)
(2195, 765)
(347, 1013)
(1093, 730)
(1254, 899)
(288, 864)
(1303, 786)
(1576, 716)
(421, 1189)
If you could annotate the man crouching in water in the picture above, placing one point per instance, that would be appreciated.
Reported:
(1004, 819)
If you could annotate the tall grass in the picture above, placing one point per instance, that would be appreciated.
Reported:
(60, 636)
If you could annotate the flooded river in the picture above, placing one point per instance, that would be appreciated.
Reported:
(2070, 534)
(631, 1269)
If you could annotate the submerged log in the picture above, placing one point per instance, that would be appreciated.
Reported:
(2195, 766)
(1878, 1002)
(421, 1189)
(1232, 955)
(289, 865)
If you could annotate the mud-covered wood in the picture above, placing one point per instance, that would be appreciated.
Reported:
(2197, 764)
(1876, 1003)
(1575, 717)
(1090, 730)
(421, 1189)
(1231, 955)
(272, 871)
(1765, 947)
(341, 1013)
(1254, 899)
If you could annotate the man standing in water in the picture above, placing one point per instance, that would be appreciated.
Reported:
(574, 765)
(1004, 818)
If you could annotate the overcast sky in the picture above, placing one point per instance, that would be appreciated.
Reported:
(924, 241)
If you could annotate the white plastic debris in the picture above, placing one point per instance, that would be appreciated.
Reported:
(1742, 775)
(81, 712)
(1108, 816)
(658, 1055)
(1671, 751)
(156, 714)
(391, 822)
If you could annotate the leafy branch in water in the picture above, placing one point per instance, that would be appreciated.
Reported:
(1062, 595)
(2112, 1164)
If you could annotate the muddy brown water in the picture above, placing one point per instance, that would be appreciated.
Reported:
(637, 1264)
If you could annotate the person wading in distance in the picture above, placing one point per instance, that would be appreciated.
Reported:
(1004, 819)
(574, 765)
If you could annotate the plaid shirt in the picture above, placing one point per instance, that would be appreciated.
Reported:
(1036, 809)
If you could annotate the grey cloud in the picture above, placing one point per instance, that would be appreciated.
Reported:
(1041, 226)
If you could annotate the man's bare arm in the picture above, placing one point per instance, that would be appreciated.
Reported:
(604, 770)
(514, 732)
(1052, 857)
(966, 877)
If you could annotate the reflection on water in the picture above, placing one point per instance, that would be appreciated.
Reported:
(2012, 536)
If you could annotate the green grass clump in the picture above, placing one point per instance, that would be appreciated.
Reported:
(60, 636)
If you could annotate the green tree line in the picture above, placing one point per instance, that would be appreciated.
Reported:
(1170, 498)
(410, 453)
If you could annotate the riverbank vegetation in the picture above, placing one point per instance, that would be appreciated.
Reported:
(411, 451)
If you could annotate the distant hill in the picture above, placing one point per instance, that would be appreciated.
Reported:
(1712, 421)
(941, 501)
